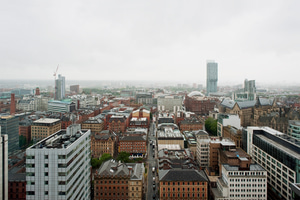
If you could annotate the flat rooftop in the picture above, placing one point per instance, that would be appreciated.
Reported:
(46, 120)
(61, 139)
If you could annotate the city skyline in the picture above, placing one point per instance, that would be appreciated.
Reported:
(151, 41)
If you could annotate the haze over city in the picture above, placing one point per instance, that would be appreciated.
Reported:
(150, 41)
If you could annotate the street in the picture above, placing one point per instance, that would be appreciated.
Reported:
(152, 162)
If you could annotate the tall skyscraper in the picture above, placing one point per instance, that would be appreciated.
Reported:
(211, 77)
(3, 167)
(58, 166)
(60, 87)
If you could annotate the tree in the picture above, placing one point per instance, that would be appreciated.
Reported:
(22, 141)
(96, 163)
(123, 157)
(211, 126)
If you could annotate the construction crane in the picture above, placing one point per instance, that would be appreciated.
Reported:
(55, 88)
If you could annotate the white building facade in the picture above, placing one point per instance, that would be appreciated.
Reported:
(58, 167)
(237, 184)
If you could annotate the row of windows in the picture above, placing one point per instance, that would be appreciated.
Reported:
(111, 182)
(183, 183)
(183, 189)
(164, 194)
(248, 185)
(109, 194)
(248, 195)
(246, 173)
(109, 188)
(247, 190)
(248, 180)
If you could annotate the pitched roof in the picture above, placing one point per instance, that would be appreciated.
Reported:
(182, 175)
(246, 104)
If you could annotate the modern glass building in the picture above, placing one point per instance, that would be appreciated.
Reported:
(60, 87)
(294, 128)
(211, 77)
(10, 127)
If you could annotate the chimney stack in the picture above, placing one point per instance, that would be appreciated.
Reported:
(12, 104)
(37, 91)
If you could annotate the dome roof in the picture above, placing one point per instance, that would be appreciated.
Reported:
(196, 93)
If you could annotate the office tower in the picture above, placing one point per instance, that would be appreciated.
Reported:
(10, 127)
(3, 167)
(58, 167)
(250, 89)
(211, 77)
(60, 87)
(278, 153)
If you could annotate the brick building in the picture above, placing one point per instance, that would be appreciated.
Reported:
(115, 180)
(190, 125)
(117, 124)
(25, 130)
(182, 184)
(135, 145)
(17, 183)
(103, 142)
(96, 125)
(196, 102)
(234, 134)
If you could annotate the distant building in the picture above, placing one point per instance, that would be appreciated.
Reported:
(60, 87)
(74, 89)
(211, 77)
(10, 126)
(3, 167)
(169, 103)
(182, 184)
(61, 106)
(44, 127)
(248, 93)
(197, 102)
(144, 98)
(57, 167)
(190, 125)
(115, 180)
(117, 124)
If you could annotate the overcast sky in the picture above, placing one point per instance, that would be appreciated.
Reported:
(150, 40)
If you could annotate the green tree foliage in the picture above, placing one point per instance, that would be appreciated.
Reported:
(211, 126)
(124, 157)
(96, 163)
(22, 141)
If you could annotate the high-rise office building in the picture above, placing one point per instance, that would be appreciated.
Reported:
(3, 167)
(58, 166)
(60, 87)
(10, 126)
(211, 77)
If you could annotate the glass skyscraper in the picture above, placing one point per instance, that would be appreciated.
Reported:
(211, 77)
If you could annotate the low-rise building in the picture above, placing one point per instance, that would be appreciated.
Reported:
(96, 125)
(190, 125)
(44, 127)
(183, 184)
(168, 133)
(103, 142)
(115, 180)
(135, 145)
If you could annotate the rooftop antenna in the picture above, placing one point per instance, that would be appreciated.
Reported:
(55, 87)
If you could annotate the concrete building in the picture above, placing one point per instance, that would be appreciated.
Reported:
(248, 93)
(10, 126)
(279, 154)
(61, 106)
(169, 103)
(115, 180)
(227, 120)
(182, 184)
(144, 98)
(240, 182)
(58, 167)
(3, 167)
(168, 133)
(44, 127)
(60, 87)
(211, 77)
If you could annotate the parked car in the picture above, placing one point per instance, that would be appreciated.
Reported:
(153, 169)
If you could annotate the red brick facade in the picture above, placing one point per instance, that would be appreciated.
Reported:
(200, 106)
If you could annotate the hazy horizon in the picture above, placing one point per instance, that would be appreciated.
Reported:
(151, 40)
